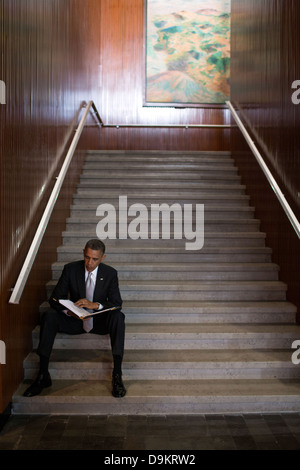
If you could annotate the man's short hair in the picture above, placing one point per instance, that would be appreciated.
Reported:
(95, 244)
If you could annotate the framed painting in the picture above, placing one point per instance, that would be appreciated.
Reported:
(187, 52)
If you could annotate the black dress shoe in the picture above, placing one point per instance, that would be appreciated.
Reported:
(118, 389)
(42, 381)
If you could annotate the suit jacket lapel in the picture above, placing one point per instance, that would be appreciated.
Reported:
(81, 281)
(99, 282)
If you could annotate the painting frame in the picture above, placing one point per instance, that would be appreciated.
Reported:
(158, 102)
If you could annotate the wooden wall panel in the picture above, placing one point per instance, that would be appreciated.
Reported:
(56, 54)
(122, 89)
(266, 51)
(265, 62)
(47, 48)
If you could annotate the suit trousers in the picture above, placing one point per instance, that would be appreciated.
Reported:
(53, 322)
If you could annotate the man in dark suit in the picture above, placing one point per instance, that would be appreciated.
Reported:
(73, 285)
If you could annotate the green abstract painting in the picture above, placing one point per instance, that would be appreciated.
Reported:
(187, 52)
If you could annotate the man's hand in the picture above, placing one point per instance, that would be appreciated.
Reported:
(85, 303)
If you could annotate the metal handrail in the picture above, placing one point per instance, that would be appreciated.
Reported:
(285, 205)
(31, 255)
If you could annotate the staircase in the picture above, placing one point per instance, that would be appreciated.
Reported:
(207, 331)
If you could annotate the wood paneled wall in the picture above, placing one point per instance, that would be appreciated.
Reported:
(122, 91)
(48, 71)
(55, 54)
(265, 62)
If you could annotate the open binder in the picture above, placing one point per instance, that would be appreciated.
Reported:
(81, 313)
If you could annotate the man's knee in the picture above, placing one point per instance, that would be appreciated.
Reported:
(119, 317)
(115, 322)
(49, 318)
(48, 330)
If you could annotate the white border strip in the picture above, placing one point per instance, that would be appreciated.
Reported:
(285, 205)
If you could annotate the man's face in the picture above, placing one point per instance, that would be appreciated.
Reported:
(92, 259)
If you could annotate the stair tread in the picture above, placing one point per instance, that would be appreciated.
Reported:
(163, 311)
(154, 165)
(214, 329)
(134, 179)
(167, 155)
(144, 266)
(161, 194)
(96, 390)
(180, 153)
(114, 193)
(222, 214)
(157, 167)
(148, 328)
(166, 358)
(219, 221)
(197, 286)
(211, 207)
(134, 249)
(224, 305)
(203, 285)
(165, 329)
(157, 159)
(213, 235)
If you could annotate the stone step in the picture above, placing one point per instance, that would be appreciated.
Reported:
(176, 239)
(158, 157)
(190, 336)
(144, 213)
(179, 254)
(221, 175)
(123, 182)
(214, 228)
(211, 212)
(93, 197)
(209, 312)
(189, 271)
(94, 364)
(159, 153)
(81, 211)
(167, 233)
(201, 176)
(162, 312)
(165, 166)
(203, 182)
(157, 162)
(204, 291)
(163, 397)
(146, 290)
(161, 160)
